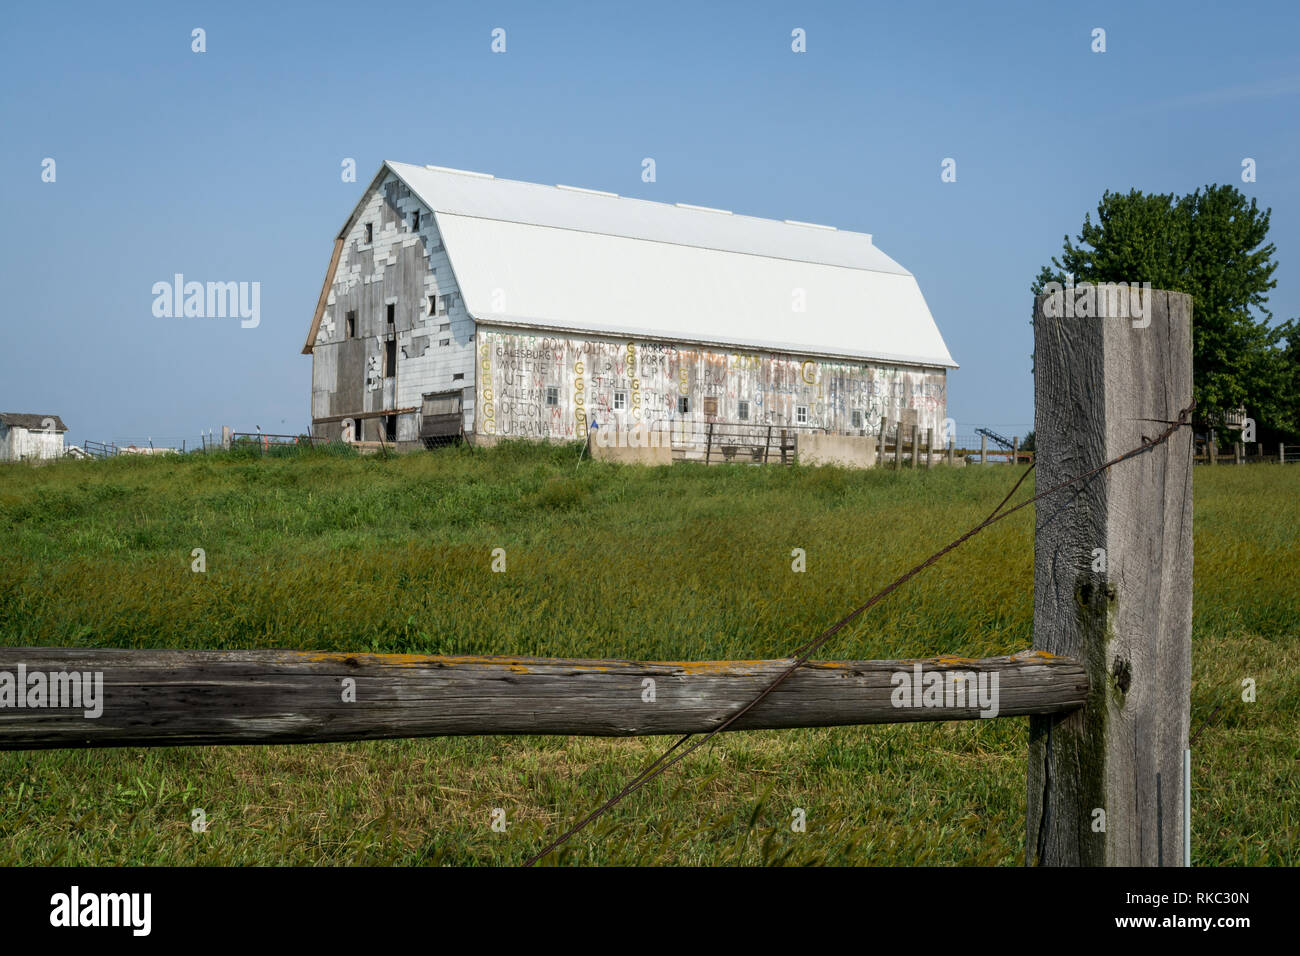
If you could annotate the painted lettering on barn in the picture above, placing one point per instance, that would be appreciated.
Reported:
(549, 387)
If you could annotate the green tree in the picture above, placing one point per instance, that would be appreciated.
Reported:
(1211, 244)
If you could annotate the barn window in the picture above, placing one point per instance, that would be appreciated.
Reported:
(857, 418)
(711, 406)
(683, 404)
(370, 232)
(458, 377)
(620, 401)
(742, 411)
(415, 220)
(433, 305)
(801, 414)
(390, 428)
(552, 395)
(444, 341)
(392, 312)
(352, 325)
(356, 429)
(444, 302)
(390, 358)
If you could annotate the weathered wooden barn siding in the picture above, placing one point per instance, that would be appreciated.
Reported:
(516, 368)
(17, 443)
(403, 267)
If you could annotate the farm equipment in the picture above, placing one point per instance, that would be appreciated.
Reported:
(995, 437)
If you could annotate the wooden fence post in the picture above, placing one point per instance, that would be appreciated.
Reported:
(984, 450)
(898, 446)
(916, 439)
(1237, 453)
(929, 446)
(1213, 449)
(1015, 450)
(1281, 453)
(952, 444)
(1113, 585)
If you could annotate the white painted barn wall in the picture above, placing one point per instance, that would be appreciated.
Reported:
(516, 369)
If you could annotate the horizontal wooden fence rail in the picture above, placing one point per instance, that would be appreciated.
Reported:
(187, 697)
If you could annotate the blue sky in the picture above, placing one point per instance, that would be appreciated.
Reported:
(225, 165)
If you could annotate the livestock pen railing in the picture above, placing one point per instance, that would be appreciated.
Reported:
(1106, 685)
(265, 441)
(97, 449)
(896, 445)
(910, 446)
(719, 442)
(901, 445)
(980, 454)
(1209, 452)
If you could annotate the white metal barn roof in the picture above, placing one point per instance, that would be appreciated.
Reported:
(570, 259)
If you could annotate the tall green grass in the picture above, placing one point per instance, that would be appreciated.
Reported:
(317, 550)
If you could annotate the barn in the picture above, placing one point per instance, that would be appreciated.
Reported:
(461, 306)
(25, 436)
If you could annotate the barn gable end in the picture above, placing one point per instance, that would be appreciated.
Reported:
(391, 266)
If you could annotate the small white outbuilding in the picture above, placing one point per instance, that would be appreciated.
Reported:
(24, 436)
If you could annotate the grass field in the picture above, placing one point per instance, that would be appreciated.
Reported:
(340, 553)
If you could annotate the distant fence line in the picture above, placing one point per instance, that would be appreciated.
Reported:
(717, 442)
(1208, 452)
(205, 442)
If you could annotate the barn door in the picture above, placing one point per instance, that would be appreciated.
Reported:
(440, 418)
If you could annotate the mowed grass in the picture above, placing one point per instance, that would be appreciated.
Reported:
(340, 553)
